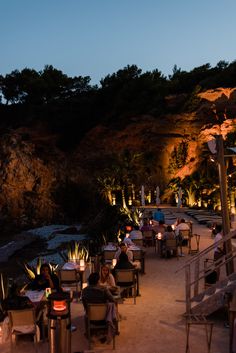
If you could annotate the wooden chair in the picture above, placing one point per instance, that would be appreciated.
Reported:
(22, 322)
(138, 255)
(126, 280)
(108, 255)
(185, 236)
(138, 242)
(70, 279)
(148, 238)
(171, 246)
(96, 319)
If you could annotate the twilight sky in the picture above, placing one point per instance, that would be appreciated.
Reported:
(98, 37)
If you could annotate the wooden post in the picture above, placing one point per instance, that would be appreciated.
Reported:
(187, 289)
(196, 277)
(224, 201)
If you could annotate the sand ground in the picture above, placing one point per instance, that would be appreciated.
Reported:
(155, 324)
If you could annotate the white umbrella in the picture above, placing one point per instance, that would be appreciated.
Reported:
(158, 201)
(142, 196)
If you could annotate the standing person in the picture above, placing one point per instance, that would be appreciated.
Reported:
(46, 279)
(159, 215)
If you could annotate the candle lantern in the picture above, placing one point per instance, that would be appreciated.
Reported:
(114, 261)
(81, 263)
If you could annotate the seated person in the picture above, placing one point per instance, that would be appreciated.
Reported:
(123, 264)
(107, 279)
(46, 279)
(181, 226)
(16, 301)
(128, 241)
(146, 226)
(159, 228)
(136, 233)
(168, 234)
(94, 292)
(124, 249)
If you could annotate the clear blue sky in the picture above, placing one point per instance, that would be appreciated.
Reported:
(98, 37)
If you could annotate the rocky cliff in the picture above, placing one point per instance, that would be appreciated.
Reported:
(35, 172)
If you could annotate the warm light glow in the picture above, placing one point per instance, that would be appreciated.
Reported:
(173, 226)
(48, 291)
(114, 262)
(159, 236)
(1, 333)
(59, 305)
(81, 263)
(130, 201)
(113, 200)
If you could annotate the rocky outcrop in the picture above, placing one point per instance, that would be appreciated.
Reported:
(33, 170)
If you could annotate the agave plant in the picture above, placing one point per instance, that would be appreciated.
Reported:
(77, 251)
(4, 287)
(31, 271)
(53, 267)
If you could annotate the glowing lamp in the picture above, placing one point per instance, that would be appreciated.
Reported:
(128, 228)
(159, 236)
(59, 304)
(81, 263)
(114, 262)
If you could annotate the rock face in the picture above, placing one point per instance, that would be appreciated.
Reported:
(33, 169)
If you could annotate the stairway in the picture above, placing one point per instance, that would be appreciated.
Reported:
(212, 298)
(205, 302)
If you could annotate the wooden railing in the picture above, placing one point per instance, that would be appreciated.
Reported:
(195, 269)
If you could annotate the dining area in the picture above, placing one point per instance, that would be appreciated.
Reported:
(151, 300)
(154, 321)
(50, 292)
